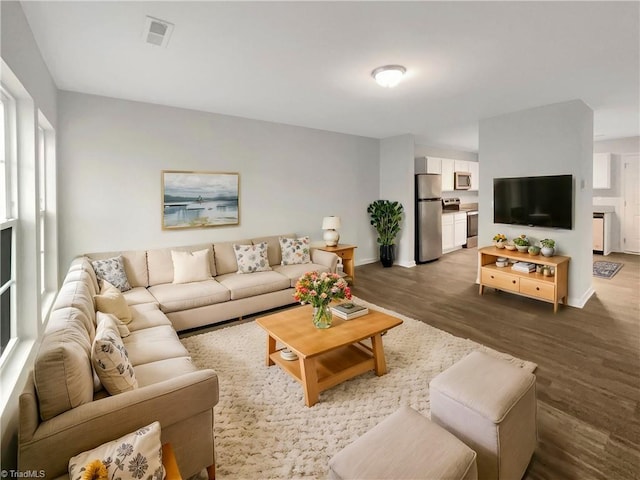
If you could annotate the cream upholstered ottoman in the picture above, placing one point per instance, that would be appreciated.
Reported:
(490, 405)
(405, 445)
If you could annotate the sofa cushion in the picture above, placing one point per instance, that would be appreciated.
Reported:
(273, 246)
(252, 258)
(190, 266)
(170, 368)
(123, 329)
(295, 250)
(153, 344)
(135, 265)
(294, 272)
(137, 296)
(110, 359)
(77, 267)
(77, 294)
(134, 456)
(62, 370)
(161, 264)
(111, 300)
(147, 315)
(243, 286)
(226, 258)
(175, 297)
(112, 270)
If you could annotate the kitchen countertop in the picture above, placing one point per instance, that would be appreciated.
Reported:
(603, 209)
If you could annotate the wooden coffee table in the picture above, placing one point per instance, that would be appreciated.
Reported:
(326, 357)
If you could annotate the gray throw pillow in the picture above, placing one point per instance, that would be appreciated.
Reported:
(112, 270)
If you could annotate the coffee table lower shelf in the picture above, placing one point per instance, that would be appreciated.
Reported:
(327, 369)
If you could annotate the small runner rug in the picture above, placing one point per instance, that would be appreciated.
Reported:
(606, 269)
(262, 428)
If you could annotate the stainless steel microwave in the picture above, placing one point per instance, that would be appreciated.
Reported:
(462, 181)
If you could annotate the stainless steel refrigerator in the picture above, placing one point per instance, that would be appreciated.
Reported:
(428, 217)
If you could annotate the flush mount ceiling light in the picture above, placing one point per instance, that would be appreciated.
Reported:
(389, 76)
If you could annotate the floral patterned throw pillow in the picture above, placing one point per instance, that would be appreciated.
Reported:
(252, 258)
(112, 270)
(110, 359)
(295, 250)
(135, 456)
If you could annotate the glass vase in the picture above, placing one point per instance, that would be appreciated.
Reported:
(322, 316)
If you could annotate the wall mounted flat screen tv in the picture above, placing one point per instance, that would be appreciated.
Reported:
(534, 201)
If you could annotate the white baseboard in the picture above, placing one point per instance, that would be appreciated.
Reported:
(582, 301)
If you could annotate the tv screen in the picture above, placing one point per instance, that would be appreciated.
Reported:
(534, 201)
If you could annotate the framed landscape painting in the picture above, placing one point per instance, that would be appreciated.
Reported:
(199, 199)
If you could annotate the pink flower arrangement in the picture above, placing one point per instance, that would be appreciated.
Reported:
(319, 289)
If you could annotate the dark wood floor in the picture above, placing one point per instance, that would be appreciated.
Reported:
(588, 374)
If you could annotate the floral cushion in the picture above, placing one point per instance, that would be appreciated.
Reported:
(131, 457)
(295, 250)
(110, 359)
(112, 270)
(252, 258)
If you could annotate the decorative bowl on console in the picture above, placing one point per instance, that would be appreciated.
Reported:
(510, 246)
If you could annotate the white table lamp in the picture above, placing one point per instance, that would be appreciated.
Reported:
(329, 225)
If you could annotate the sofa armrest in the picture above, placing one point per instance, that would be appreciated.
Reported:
(85, 427)
(328, 259)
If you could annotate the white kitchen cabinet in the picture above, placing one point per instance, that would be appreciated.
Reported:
(459, 229)
(448, 232)
(474, 169)
(434, 165)
(461, 166)
(602, 170)
(420, 165)
(447, 174)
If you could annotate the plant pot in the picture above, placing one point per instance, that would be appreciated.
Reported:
(387, 255)
(547, 251)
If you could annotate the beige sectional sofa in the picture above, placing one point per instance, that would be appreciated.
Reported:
(64, 410)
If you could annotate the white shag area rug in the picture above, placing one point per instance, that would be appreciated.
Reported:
(263, 430)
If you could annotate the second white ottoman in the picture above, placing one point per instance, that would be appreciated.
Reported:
(490, 405)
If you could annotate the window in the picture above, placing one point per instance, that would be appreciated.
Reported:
(42, 206)
(7, 222)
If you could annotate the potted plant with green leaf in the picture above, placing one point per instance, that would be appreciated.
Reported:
(385, 218)
(548, 247)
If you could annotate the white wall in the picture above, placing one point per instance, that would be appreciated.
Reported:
(397, 184)
(614, 196)
(550, 140)
(111, 154)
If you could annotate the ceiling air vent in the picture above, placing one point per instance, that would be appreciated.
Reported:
(157, 32)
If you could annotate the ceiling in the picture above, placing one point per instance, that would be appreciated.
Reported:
(309, 63)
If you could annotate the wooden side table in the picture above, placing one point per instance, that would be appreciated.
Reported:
(347, 254)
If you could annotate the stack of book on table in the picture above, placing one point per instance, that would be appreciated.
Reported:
(525, 267)
(348, 310)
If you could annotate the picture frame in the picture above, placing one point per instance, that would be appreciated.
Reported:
(194, 199)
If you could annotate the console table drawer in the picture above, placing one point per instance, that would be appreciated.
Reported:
(500, 280)
(537, 289)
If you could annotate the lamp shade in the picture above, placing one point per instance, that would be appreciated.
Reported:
(330, 223)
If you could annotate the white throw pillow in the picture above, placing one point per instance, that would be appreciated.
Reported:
(112, 270)
(111, 300)
(252, 258)
(110, 359)
(135, 456)
(190, 266)
(295, 251)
